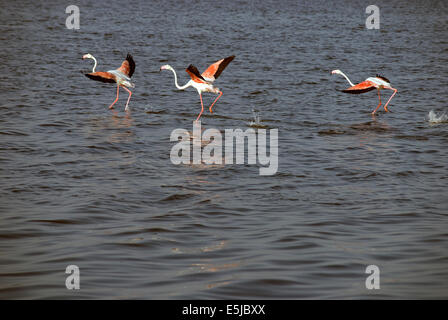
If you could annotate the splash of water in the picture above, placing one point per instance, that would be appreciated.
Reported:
(434, 119)
(256, 123)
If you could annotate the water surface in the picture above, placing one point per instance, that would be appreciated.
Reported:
(84, 185)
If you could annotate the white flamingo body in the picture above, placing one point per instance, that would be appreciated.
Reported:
(379, 82)
(122, 79)
(204, 87)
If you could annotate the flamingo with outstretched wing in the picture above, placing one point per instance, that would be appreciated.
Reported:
(378, 82)
(202, 82)
(121, 76)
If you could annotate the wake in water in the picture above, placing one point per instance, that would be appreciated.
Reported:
(434, 119)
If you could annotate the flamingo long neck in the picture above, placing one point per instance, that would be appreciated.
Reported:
(177, 85)
(343, 74)
(94, 66)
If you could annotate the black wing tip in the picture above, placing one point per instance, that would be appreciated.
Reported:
(227, 60)
(223, 65)
(358, 91)
(195, 71)
(382, 77)
(192, 69)
(131, 61)
(98, 78)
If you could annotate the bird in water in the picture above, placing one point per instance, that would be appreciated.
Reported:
(378, 82)
(202, 82)
(121, 76)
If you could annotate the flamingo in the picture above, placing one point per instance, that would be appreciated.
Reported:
(121, 76)
(202, 82)
(378, 82)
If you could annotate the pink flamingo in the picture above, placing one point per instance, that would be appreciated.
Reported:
(371, 83)
(121, 76)
(202, 82)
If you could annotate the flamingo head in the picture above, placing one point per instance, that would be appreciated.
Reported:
(87, 56)
(336, 72)
(166, 67)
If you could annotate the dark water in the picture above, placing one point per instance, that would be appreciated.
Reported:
(83, 185)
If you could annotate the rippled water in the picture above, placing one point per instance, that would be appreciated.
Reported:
(83, 185)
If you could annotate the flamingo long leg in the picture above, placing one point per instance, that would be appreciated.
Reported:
(385, 106)
(118, 88)
(130, 94)
(379, 104)
(202, 106)
(220, 94)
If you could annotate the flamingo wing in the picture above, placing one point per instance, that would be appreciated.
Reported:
(362, 87)
(383, 78)
(214, 70)
(128, 66)
(102, 76)
(194, 74)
